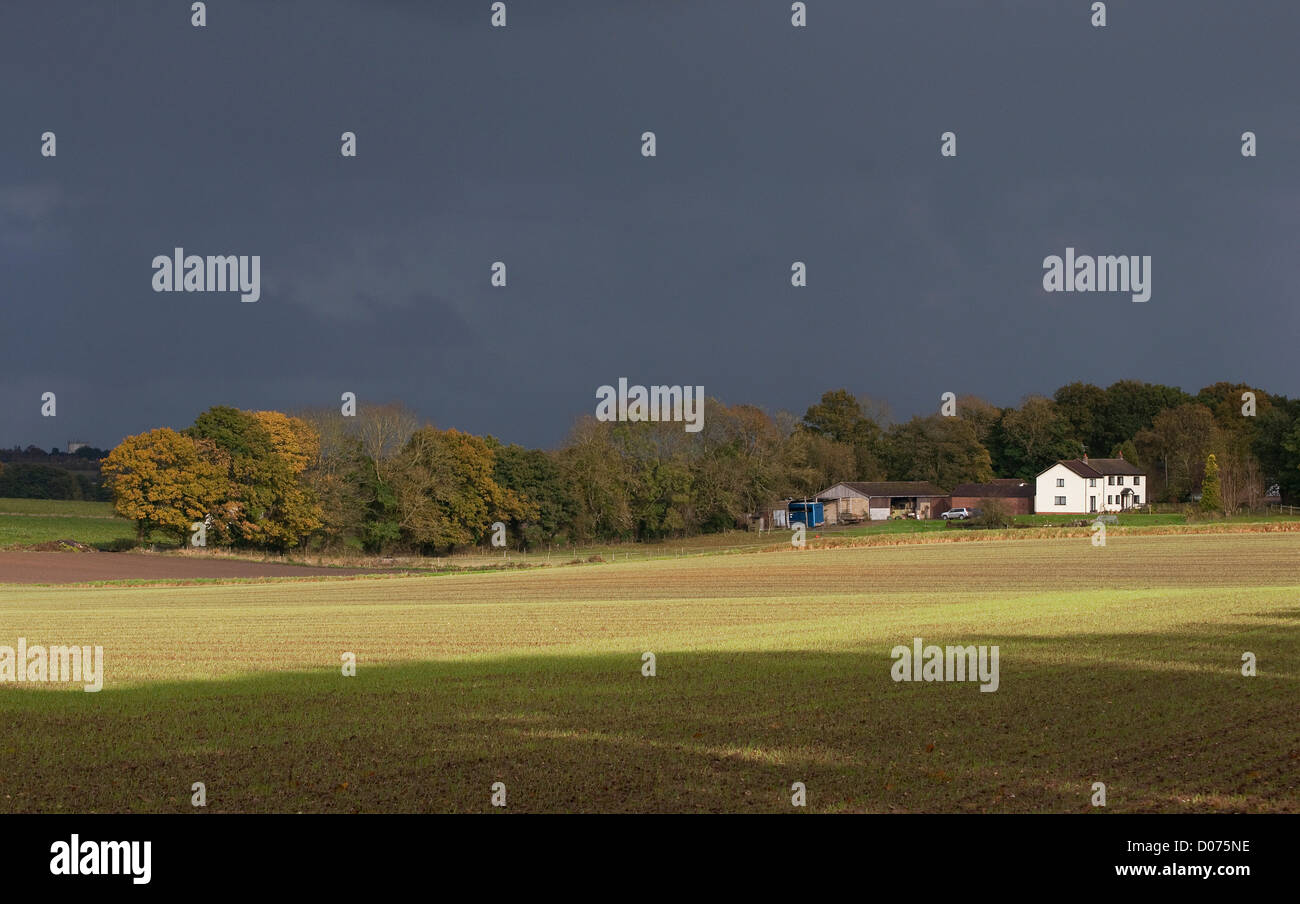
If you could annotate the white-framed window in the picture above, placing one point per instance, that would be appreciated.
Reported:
(1060, 500)
(1136, 480)
(1120, 480)
(1060, 481)
(1137, 500)
(1110, 481)
(1110, 500)
(1092, 481)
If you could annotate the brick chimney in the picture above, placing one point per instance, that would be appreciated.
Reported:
(1121, 454)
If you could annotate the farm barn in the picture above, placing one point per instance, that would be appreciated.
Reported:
(1013, 494)
(851, 502)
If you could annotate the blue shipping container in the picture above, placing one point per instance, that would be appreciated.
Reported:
(812, 514)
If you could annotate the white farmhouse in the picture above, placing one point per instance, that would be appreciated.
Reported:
(1086, 485)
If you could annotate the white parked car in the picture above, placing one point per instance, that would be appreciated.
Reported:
(959, 514)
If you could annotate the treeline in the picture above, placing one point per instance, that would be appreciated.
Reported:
(381, 481)
(19, 480)
(84, 457)
(33, 473)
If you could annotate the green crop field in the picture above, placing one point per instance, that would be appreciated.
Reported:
(28, 530)
(31, 522)
(64, 507)
(1119, 664)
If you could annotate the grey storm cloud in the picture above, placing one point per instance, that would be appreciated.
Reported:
(522, 145)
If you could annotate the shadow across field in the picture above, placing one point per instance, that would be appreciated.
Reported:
(1165, 720)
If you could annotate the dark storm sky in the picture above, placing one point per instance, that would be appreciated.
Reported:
(522, 144)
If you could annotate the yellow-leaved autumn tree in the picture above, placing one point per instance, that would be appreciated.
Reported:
(296, 511)
(446, 494)
(165, 480)
(293, 439)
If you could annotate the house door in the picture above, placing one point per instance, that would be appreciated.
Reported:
(1092, 503)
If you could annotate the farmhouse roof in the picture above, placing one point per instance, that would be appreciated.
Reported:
(893, 488)
(1001, 488)
(1099, 467)
(1114, 466)
(1082, 468)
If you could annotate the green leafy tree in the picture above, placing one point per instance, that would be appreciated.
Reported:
(601, 477)
(1211, 496)
(1277, 445)
(982, 415)
(841, 417)
(1083, 408)
(734, 466)
(1034, 436)
(1132, 406)
(1224, 400)
(1127, 450)
(811, 462)
(1175, 448)
(537, 477)
(942, 450)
